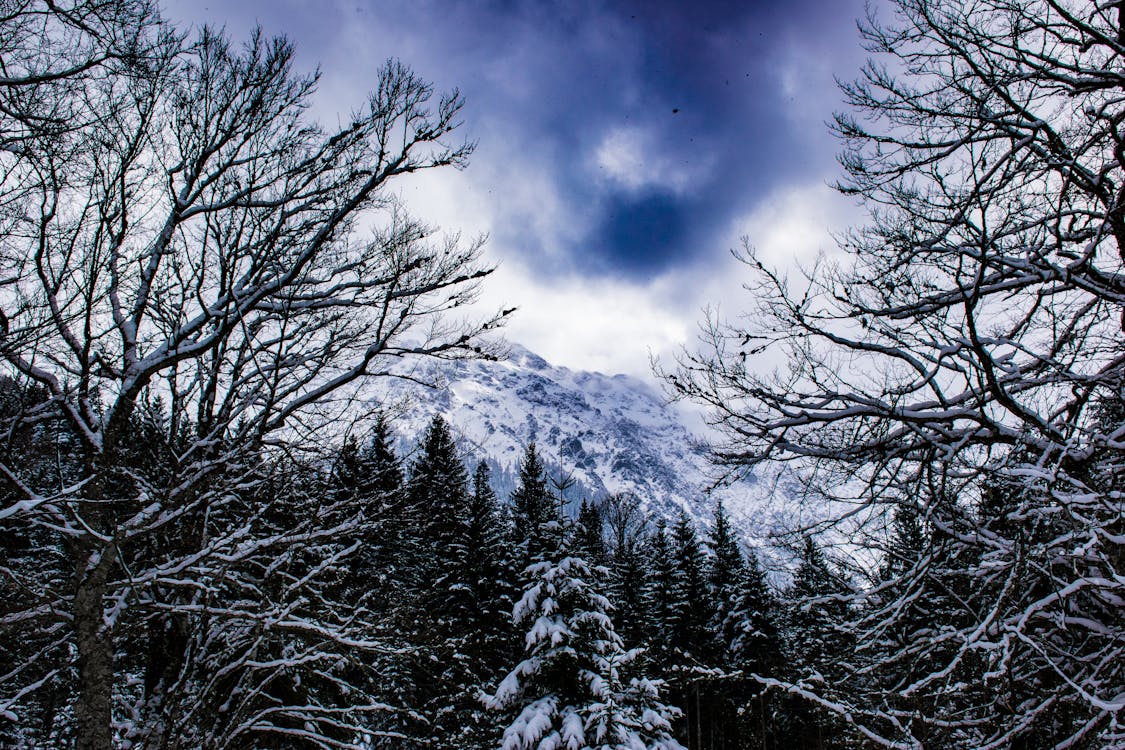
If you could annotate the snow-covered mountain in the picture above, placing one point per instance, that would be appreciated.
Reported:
(605, 433)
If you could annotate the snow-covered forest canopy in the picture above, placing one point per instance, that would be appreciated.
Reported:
(208, 541)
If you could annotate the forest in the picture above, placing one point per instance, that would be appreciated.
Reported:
(209, 540)
(390, 614)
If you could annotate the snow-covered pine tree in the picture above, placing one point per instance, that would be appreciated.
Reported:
(574, 685)
(533, 507)
(377, 566)
(660, 580)
(590, 541)
(819, 651)
(489, 571)
(628, 579)
(726, 574)
(440, 607)
(478, 646)
(691, 606)
(909, 627)
(438, 493)
(374, 577)
(756, 651)
(690, 609)
(729, 689)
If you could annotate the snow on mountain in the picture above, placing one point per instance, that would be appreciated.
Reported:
(605, 433)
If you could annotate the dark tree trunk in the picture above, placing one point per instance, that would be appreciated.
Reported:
(94, 641)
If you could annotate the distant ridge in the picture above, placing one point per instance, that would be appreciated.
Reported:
(600, 434)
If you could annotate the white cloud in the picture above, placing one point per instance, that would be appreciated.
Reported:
(795, 223)
(591, 324)
(632, 158)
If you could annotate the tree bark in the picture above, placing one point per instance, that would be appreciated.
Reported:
(94, 641)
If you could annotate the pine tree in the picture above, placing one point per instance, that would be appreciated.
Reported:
(438, 494)
(477, 641)
(756, 646)
(817, 611)
(533, 508)
(726, 574)
(464, 592)
(690, 601)
(375, 578)
(755, 649)
(818, 649)
(437, 602)
(921, 598)
(628, 580)
(661, 580)
(729, 689)
(691, 611)
(491, 576)
(590, 541)
(387, 516)
(573, 685)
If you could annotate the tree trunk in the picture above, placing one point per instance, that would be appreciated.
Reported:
(94, 640)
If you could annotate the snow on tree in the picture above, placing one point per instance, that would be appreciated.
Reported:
(628, 579)
(590, 544)
(533, 508)
(464, 592)
(573, 690)
(176, 225)
(955, 358)
(726, 576)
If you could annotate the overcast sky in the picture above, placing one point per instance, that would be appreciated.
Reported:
(623, 147)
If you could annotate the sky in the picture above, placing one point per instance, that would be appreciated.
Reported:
(623, 149)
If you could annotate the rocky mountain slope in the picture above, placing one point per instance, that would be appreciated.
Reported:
(597, 433)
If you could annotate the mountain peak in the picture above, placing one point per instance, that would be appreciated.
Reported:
(525, 358)
(607, 434)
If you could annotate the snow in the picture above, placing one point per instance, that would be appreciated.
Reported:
(609, 433)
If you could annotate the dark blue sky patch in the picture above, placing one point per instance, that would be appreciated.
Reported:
(640, 235)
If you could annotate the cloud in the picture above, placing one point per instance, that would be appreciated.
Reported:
(796, 223)
(632, 159)
(610, 213)
(586, 323)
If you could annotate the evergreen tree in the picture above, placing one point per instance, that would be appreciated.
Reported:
(573, 685)
(756, 646)
(368, 478)
(490, 575)
(690, 601)
(726, 576)
(628, 580)
(590, 541)
(438, 494)
(817, 612)
(755, 649)
(921, 600)
(729, 689)
(387, 517)
(464, 595)
(533, 508)
(691, 609)
(437, 602)
(819, 650)
(376, 577)
(477, 638)
(658, 595)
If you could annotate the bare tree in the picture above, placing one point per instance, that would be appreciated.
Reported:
(177, 228)
(964, 365)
